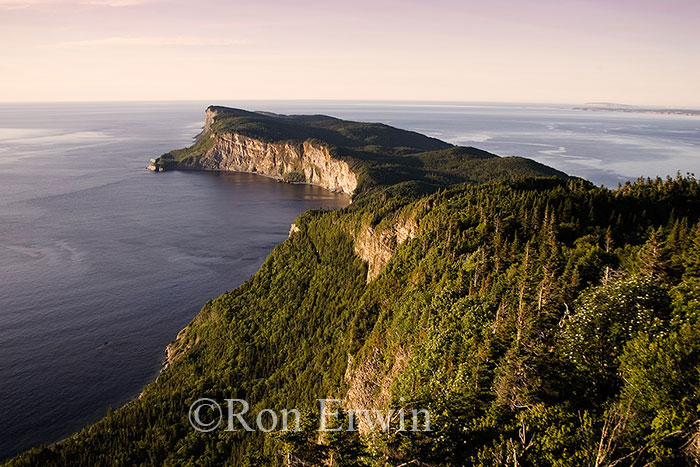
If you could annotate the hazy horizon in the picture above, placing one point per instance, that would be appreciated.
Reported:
(505, 51)
(428, 102)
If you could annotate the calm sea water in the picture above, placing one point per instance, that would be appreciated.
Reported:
(603, 147)
(102, 262)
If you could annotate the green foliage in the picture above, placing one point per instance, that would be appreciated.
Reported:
(202, 145)
(662, 389)
(605, 319)
(380, 155)
(541, 321)
(294, 176)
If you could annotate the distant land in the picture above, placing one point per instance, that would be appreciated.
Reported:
(340, 155)
(611, 107)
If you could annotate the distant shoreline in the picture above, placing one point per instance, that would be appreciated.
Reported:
(630, 109)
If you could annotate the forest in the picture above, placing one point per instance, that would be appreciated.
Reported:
(542, 321)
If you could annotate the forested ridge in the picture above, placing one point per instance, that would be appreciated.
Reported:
(542, 322)
(539, 320)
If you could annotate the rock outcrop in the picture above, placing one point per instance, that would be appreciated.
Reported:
(370, 381)
(177, 348)
(293, 229)
(309, 162)
(376, 245)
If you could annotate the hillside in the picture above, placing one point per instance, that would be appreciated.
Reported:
(540, 321)
(341, 155)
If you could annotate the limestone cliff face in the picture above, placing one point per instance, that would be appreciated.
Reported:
(299, 162)
(375, 246)
(370, 381)
(370, 377)
(284, 161)
(209, 116)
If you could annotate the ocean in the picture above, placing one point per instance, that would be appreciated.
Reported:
(102, 262)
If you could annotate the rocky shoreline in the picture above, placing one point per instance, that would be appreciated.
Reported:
(308, 162)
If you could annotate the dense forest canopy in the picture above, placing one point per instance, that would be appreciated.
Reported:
(541, 320)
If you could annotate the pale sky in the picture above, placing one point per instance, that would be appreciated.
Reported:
(557, 51)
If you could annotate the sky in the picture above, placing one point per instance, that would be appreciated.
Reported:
(638, 52)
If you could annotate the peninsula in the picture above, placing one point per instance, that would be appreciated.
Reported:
(531, 318)
(611, 107)
(339, 155)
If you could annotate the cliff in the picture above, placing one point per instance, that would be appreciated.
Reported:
(298, 162)
(376, 245)
(292, 161)
(339, 155)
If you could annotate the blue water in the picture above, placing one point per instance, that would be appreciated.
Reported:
(102, 262)
(601, 146)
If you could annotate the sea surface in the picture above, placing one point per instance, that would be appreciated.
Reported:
(103, 262)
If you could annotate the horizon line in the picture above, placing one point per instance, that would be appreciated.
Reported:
(691, 107)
